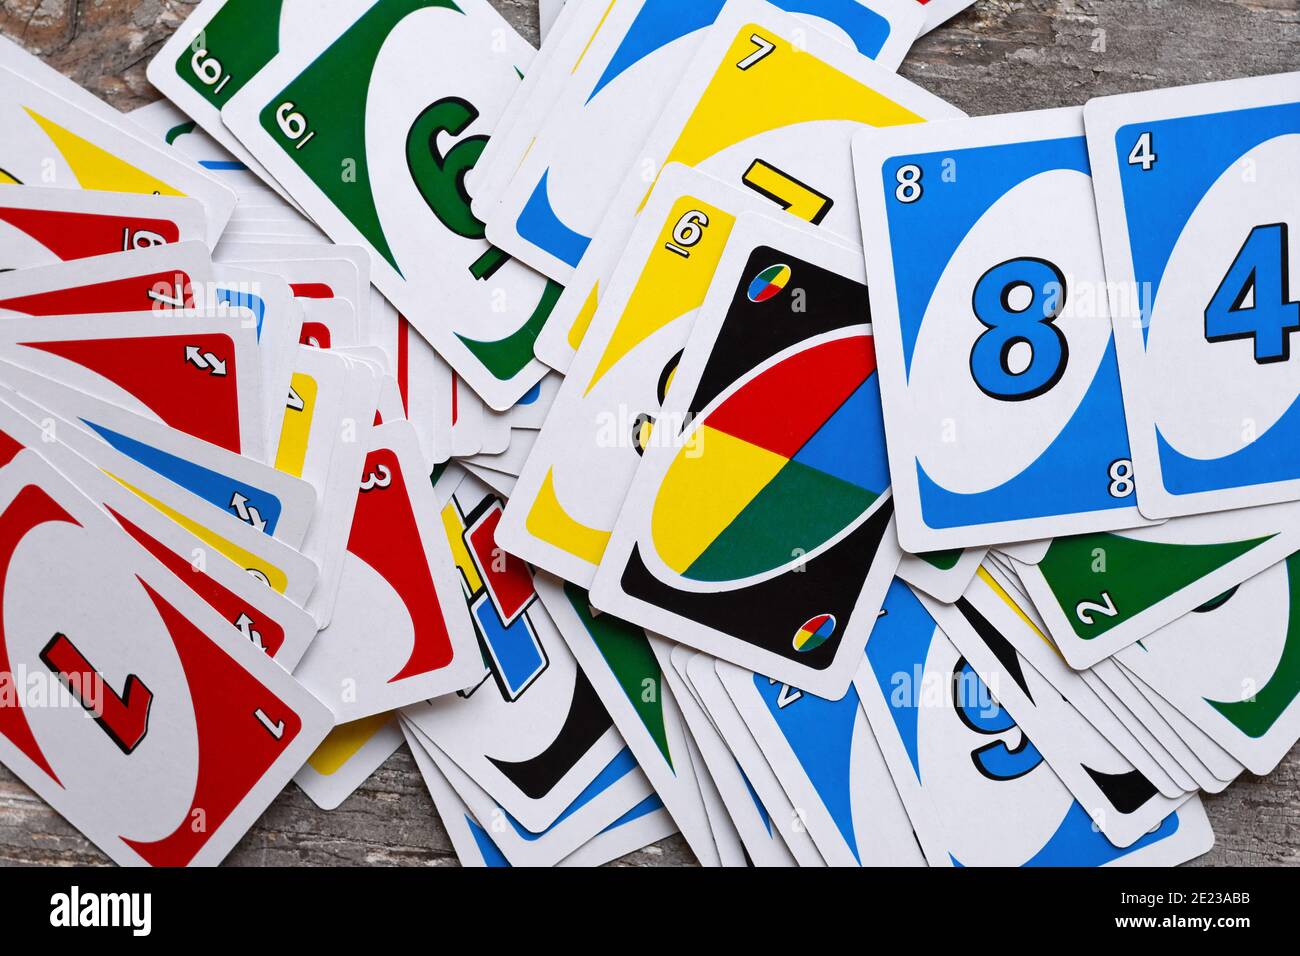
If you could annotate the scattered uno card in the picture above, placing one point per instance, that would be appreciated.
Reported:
(43, 226)
(625, 79)
(1199, 217)
(688, 427)
(792, 150)
(307, 113)
(189, 716)
(1001, 390)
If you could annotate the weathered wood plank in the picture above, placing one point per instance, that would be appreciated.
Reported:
(1000, 56)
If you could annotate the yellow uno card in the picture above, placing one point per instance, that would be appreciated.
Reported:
(607, 411)
(766, 105)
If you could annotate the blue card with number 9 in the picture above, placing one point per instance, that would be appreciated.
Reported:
(1001, 392)
(1200, 218)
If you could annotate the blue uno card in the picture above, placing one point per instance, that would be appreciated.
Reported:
(1003, 410)
(826, 758)
(976, 788)
(1200, 219)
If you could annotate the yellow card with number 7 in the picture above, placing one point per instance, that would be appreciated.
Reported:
(768, 105)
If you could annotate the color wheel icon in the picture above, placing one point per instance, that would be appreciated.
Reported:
(768, 482)
(769, 283)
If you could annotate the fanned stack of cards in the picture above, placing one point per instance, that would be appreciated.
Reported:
(542, 411)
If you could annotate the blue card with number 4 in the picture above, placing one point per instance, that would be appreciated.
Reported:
(1199, 204)
(1001, 391)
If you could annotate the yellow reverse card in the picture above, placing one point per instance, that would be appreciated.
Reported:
(767, 105)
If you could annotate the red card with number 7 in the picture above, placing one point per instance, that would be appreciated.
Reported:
(132, 708)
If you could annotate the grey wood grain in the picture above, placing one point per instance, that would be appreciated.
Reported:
(999, 56)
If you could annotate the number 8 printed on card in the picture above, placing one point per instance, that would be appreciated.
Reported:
(998, 375)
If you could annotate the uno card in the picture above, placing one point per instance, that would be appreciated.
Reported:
(49, 141)
(162, 278)
(1100, 593)
(618, 660)
(268, 620)
(625, 79)
(1123, 803)
(1217, 760)
(825, 756)
(517, 127)
(1002, 394)
(268, 500)
(618, 794)
(1228, 666)
(277, 565)
(815, 93)
(944, 575)
(190, 721)
(1146, 712)
(1200, 218)
(411, 132)
(573, 485)
(312, 271)
(481, 845)
(347, 757)
(531, 731)
(760, 842)
(976, 788)
(400, 632)
(1033, 643)
(772, 803)
(277, 319)
(225, 43)
(164, 122)
(756, 528)
(197, 375)
(42, 225)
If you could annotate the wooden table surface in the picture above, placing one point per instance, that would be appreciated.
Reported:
(999, 56)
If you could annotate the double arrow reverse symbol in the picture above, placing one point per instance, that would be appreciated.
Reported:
(195, 356)
(247, 512)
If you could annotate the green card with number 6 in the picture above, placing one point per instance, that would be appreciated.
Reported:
(225, 43)
(373, 131)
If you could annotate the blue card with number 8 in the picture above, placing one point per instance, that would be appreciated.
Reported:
(1199, 207)
(1001, 391)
